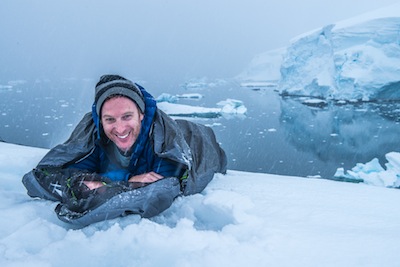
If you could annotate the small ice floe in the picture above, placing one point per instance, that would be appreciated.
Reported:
(258, 85)
(16, 82)
(64, 103)
(226, 107)
(315, 102)
(5, 87)
(202, 83)
(195, 96)
(373, 173)
(195, 85)
(188, 111)
(232, 106)
(214, 124)
(164, 97)
(341, 102)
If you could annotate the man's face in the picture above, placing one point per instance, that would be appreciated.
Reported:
(121, 120)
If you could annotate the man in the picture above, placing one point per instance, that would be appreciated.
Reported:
(128, 148)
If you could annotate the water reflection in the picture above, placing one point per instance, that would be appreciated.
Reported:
(342, 134)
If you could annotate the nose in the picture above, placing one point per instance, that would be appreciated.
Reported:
(119, 126)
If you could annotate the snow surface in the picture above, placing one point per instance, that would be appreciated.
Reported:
(356, 58)
(241, 219)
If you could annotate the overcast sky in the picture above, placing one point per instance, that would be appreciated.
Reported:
(154, 39)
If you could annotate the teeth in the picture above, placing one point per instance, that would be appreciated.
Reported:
(123, 136)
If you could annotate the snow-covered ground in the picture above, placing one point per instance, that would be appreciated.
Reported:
(241, 219)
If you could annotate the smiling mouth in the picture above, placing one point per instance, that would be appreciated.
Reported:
(123, 136)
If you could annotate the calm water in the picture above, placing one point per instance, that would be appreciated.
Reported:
(277, 135)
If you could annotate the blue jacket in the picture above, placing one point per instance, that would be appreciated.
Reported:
(143, 158)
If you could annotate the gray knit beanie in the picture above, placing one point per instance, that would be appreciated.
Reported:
(110, 85)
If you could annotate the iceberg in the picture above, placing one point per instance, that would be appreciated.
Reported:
(263, 70)
(358, 61)
(355, 59)
(373, 173)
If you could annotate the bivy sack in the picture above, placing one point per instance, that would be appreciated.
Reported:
(117, 199)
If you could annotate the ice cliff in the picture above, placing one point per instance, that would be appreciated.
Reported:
(354, 59)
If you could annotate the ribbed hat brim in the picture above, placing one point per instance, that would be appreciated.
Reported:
(130, 91)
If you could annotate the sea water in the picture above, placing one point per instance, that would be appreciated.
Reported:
(279, 135)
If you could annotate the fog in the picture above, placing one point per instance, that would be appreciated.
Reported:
(153, 40)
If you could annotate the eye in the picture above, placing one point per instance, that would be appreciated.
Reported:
(127, 117)
(109, 120)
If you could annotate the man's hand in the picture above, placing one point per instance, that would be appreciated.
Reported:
(93, 184)
(149, 177)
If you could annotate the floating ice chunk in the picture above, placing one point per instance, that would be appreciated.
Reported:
(188, 111)
(258, 86)
(202, 83)
(16, 82)
(232, 106)
(5, 86)
(315, 102)
(195, 85)
(214, 124)
(373, 173)
(229, 106)
(190, 96)
(164, 97)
